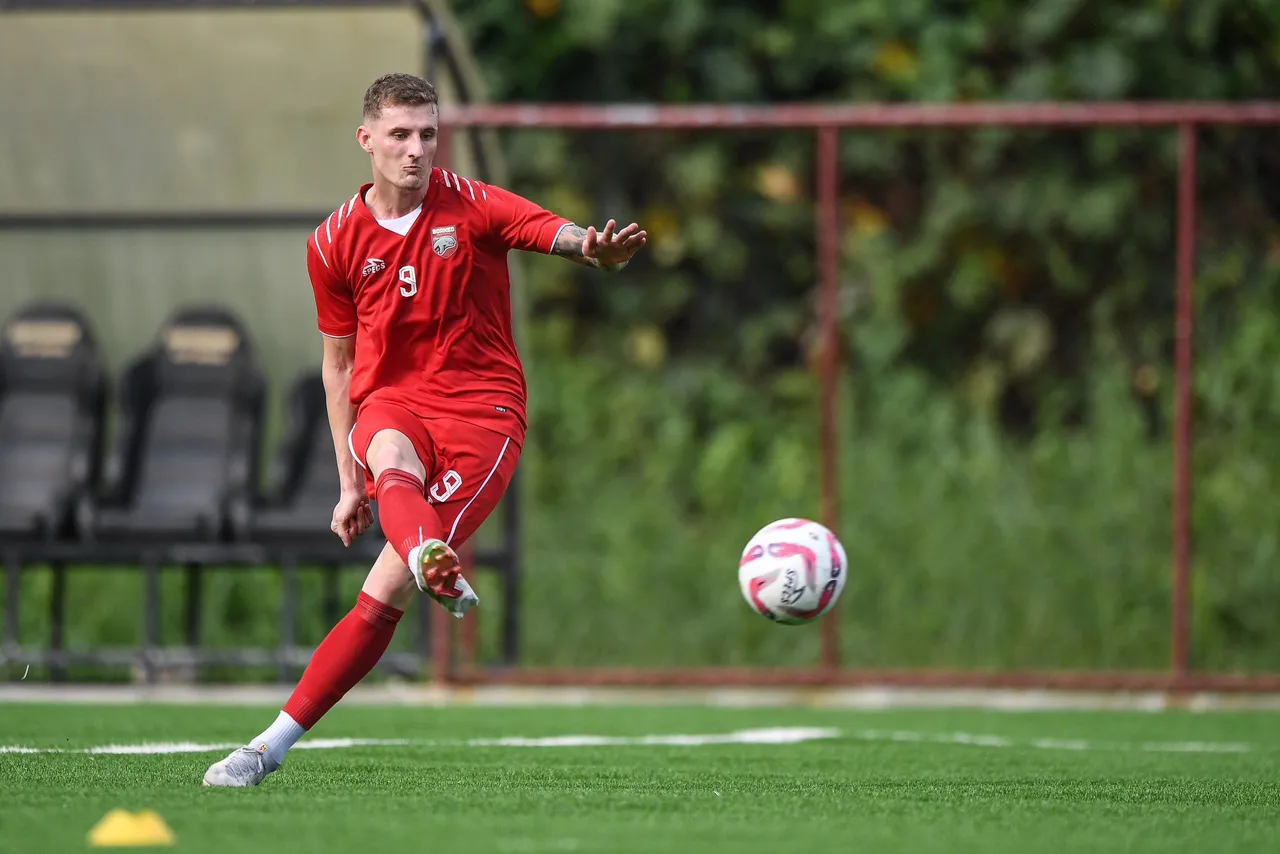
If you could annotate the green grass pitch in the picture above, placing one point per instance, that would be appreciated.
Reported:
(922, 780)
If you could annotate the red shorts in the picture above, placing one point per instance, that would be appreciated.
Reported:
(468, 467)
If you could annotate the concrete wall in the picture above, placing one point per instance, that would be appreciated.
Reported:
(186, 111)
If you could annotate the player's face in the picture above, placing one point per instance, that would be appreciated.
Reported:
(402, 144)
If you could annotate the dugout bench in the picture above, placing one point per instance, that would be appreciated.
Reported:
(179, 489)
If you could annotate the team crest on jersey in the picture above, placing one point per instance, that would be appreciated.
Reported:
(444, 240)
(372, 265)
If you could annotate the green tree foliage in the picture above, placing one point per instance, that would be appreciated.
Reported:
(995, 248)
(1007, 314)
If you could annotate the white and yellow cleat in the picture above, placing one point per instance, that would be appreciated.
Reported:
(435, 569)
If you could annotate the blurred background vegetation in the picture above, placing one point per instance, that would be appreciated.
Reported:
(1006, 302)
(1007, 317)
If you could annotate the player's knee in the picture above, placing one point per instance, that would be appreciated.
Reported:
(391, 449)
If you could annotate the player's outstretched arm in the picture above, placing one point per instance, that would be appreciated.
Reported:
(605, 249)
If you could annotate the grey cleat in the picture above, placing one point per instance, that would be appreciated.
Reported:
(246, 766)
(435, 570)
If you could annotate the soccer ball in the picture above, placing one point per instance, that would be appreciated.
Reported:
(792, 571)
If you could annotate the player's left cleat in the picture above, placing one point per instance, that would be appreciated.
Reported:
(246, 766)
(435, 569)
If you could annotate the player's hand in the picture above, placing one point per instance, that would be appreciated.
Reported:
(352, 516)
(610, 249)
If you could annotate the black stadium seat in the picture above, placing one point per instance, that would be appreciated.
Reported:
(304, 485)
(186, 457)
(52, 389)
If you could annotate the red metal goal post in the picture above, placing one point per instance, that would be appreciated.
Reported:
(827, 121)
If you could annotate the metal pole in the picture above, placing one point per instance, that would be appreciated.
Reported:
(468, 629)
(828, 240)
(13, 595)
(151, 618)
(58, 618)
(433, 41)
(288, 616)
(441, 651)
(1184, 330)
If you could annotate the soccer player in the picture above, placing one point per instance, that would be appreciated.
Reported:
(425, 390)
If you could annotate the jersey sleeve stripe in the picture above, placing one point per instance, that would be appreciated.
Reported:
(343, 212)
(446, 178)
(327, 235)
(471, 188)
(315, 236)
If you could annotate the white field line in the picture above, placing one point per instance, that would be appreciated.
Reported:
(773, 735)
(170, 747)
(978, 740)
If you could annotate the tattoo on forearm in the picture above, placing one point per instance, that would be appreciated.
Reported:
(569, 242)
(569, 245)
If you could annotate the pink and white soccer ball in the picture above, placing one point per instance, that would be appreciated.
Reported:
(793, 571)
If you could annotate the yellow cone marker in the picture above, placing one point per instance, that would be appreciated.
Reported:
(123, 829)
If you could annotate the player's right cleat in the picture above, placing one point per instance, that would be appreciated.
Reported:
(246, 766)
(435, 569)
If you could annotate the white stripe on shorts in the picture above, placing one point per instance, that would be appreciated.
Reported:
(352, 447)
(449, 539)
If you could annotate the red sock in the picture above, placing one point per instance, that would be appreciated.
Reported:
(344, 657)
(407, 518)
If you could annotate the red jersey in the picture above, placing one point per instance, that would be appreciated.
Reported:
(431, 308)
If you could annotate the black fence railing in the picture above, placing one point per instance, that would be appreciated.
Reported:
(154, 654)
